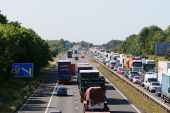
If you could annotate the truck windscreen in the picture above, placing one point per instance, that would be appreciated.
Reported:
(137, 64)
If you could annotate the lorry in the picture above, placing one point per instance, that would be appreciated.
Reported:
(64, 71)
(163, 67)
(94, 101)
(69, 53)
(75, 51)
(165, 90)
(134, 63)
(83, 66)
(90, 78)
(148, 65)
(148, 78)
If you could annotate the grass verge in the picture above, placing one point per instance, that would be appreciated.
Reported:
(15, 91)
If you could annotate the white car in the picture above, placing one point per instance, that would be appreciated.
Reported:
(135, 79)
(153, 86)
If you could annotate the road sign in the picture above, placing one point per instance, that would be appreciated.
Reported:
(24, 70)
(68, 45)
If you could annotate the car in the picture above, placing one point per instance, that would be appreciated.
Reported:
(115, 68)
(135, 79)
(153, 86)
(61, 91)
(158, 91)
(55, 111)
(76, 58)
(142, 72)
(132, 74)
(112, 64)
(121, 71)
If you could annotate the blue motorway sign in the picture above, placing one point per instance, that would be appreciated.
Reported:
(24, 70)
(68, 45)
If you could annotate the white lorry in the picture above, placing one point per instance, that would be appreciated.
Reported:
(163, 67)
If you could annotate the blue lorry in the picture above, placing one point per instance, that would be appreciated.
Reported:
(64, 71)
(165, 90)
(69, 53)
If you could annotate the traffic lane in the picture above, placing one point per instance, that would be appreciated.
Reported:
(37, 103)
(116, 102)
(70, 103)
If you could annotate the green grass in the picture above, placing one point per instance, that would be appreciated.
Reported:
(14, 91)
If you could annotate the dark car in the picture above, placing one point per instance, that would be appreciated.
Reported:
(61, 91)
(76, 58)
(158, 92)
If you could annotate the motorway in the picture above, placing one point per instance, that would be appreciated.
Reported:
(43, 99)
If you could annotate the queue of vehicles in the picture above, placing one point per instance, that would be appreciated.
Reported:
(139, 70)
(91, 83)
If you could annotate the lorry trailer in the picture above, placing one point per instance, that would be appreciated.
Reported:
(163, 67)
(165, 90)
(64, 71)
(94, 99)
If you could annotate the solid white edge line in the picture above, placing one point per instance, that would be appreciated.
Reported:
(122, 95)
(50, 99)
(27, 101)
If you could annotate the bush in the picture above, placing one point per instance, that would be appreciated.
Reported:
(167, 55)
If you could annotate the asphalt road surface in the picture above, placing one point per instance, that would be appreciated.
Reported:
(44, 100)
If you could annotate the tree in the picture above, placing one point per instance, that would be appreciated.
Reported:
(167, 55)
(3, 19)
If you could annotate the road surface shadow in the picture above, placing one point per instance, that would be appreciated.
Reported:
(114, 101)
(109, 87)
(34, 105)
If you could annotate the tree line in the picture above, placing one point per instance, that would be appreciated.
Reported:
(142, 43)
(19, 44)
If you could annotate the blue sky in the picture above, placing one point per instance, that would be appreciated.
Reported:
(96, 21)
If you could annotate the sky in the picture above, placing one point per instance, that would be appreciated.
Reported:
(95, 21)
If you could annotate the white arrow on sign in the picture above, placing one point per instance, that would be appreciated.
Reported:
(27, 71)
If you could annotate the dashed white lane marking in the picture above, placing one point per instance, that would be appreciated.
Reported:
(75, 102)
(50, 99)
(76, 107)
(75, 98)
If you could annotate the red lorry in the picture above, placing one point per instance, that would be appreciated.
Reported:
(94, 101)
